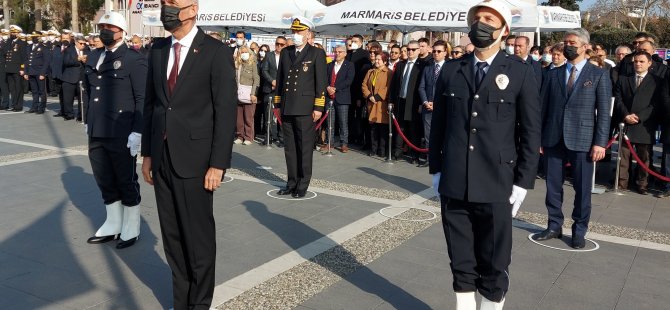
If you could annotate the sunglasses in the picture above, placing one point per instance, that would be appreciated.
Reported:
(280, 44)
(456, 52)
(412, 49)
(437, 52)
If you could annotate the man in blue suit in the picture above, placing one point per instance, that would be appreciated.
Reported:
(575, 125)
(429, 77)
(340, 76)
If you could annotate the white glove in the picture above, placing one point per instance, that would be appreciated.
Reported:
(516, 199)
(86, 129)
(134, 140)
(436, 183)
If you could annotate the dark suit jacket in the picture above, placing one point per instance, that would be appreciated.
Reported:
(345, 77)
(56, 65)
(572, 117)
(360, 58)
(472, 139)
(427, 84)
(269, 72)
(409, 110)
(72, 66)
(301, 81)
(537, 69)
(116, 92)
(642, 101)
(198, 119)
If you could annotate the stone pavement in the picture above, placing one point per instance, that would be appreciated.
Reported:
(339, 250)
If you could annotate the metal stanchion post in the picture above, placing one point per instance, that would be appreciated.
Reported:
(618, 160)
(331, 110)
(83, 104)
(268, 117)
(389, 160)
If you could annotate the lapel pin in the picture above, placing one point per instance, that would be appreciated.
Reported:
(195, 51)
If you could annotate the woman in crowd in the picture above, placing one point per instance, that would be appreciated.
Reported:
(259, 122)
(403, 52)
(375, 90)
(535, 53)
(248, 81)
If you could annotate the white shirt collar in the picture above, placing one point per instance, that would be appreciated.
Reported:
(488, 60)
(440, 63)
(642, 75)
(187, 40)
(113, 49)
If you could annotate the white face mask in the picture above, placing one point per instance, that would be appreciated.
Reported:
(354, 46)
(239, 42)
(509, 50)
(5, 38)
(262, 53)
(535, 57)
(245, 56)
(52, 38)
(297, 39)
(44, 39)
(546, 58)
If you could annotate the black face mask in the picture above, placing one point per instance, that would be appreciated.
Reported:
(481, 35)
(570, 52)
(36, 40)
(107, 37)
(65, 43)
(12, 36)
(170, 17)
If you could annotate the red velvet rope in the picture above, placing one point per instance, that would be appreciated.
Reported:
(641, 164)
(402, 135)
(275, 111)
(321, 121)
(609, 144)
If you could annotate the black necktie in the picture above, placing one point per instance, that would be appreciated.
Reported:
(479, 76)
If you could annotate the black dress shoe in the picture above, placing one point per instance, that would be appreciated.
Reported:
(78, 119)
(548, 234)
(30, 111)
(299, 194)
(102, 239)
(578, 242)
(285, 191)
(17, 110)
(39, 112)
(124, 244)
(67, 118)
(58, 115)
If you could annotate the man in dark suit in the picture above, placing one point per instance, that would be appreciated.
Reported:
(571, 96)
(636, 99)
(14, 65)
(427, 88)
(36, 66)
(404, 95)
(521, 49)
(361, 60)
(5, 45)
(301, 89)
(189, 126)
(70, 78)
(664, 120)
(481, 170)
(115, 78)
(341, 74)
(269, 69)
(56, 72)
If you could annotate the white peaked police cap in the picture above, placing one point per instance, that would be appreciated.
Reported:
(496, 5)
(115, 19)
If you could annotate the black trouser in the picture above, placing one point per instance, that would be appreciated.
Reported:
(379, 136)
(114, 170)
(53, 86)
(299, 139)
(69, 92)
(4, 88)
(186, 217)
(479, 241)
(260, 115)
(15, 90)
(355, 116)
(39, 90)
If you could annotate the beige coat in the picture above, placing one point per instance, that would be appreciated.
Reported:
(376, 84)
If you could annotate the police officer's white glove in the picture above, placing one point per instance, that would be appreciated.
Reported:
(516, 199)
(134, 140)
(436, 183)
(86, 129)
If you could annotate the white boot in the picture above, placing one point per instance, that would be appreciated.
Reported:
(130, 231)
(490, 305)
(466, 301)
(112, 226)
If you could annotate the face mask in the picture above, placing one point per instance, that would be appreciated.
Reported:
(481, 35)
(13, 36)
(354, 46)
(52, 38)
(535, 57)
(547, 58)
(239, 42)
(136, 46)
(65, 43)
(509, 49)
(245, 56)
(570, 53)
(297, 39)
(36, 40)
(107, 37)
(44, 39)
(262, 53)
(5, 38)
(170, 17)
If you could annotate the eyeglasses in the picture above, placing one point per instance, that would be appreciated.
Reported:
(280, 44)
(412, 49)
(638, 42)
(395, 52)
(437, 52)
(456, 52)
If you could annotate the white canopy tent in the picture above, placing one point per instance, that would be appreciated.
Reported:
(259, 16)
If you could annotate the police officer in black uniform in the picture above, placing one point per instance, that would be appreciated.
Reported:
(5, 44)
(301, 88)
(115, 79)
(481, 170)
(37, 64)
(14, 65)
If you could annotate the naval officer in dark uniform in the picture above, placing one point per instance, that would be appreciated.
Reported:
(115, 79)
(36, 66)
(481, 170)
(301, 89)
(4, 88)
(14, 68)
